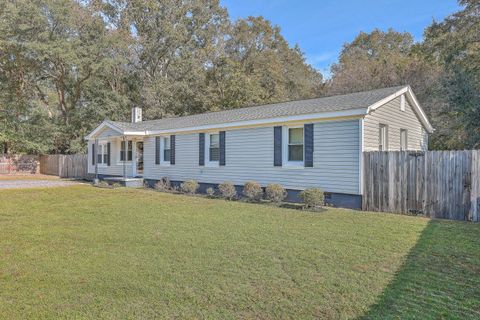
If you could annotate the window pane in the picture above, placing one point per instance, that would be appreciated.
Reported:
(99, 158)
(122, 155)
(130, 147)
(122, 146)
(166, 143)
(166, 155)
(105, 158)
(214, 141)
(129, 155)
(295, 136)
(214, 154)
(295, 153)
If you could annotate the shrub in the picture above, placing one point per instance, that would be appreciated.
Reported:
(275, 193)
(210, 192)
(163, 185)
(227, 190)
(189, 186)
(253, 191)
(103, 184)
(117, 185)
(312, 197)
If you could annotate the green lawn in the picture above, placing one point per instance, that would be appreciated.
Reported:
(84, 252)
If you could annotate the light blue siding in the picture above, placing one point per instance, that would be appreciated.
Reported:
(249, 156)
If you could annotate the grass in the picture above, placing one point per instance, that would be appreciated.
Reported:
(83, 252)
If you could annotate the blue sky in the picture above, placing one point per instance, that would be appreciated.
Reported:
(321, 27)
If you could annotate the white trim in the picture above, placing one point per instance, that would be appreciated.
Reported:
(361, 139)
(105, 123)
(162, 149)
(208, 162)
(411, 97)
(285, 143)
(127, 162)
(323, 115)
(102, 144)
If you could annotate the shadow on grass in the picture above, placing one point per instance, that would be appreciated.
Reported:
(440, 278)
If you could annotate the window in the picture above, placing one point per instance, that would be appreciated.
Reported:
(214, 147)
(166, 149)
(383, 137)
(403, 139)
(126, 151)
(102, 155)
(402, 102)
(295, 144)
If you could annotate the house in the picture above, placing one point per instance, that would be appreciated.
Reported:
(298, 144)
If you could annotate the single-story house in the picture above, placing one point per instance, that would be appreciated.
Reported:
(298, 144)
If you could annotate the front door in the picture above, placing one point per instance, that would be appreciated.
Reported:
(139, 157)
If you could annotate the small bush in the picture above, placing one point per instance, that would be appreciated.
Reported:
(102, 184)
(163, 185)
(189, 186)
(275, 193)
(210, 192)
(312, 197)
(227, 190)
(116, 185)
(253, 191)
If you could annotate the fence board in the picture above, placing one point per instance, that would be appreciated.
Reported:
(65, 166)
(437, 184)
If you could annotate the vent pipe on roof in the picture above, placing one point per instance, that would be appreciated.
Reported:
(136, 114)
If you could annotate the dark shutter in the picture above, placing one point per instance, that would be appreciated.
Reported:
(108, 153)
(157, 150)
(308, 133)
(93, 154)
(201, 149)
(222, 148)
(277, 146)
(172, 149)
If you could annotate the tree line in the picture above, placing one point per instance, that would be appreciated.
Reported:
(66, 65)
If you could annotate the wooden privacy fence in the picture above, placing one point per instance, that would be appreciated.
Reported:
(18, 164)
(437, 184)
(65, 166)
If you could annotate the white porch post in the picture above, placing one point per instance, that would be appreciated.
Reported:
(134, 158)
(125, 157)
(96, 159)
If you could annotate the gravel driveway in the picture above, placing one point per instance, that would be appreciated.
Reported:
(20, 184)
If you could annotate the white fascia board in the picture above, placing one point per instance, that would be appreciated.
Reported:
(304, 117)
(411, 97)
(100, 127)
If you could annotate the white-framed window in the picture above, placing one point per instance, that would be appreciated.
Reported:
(402, 102)
(403, 139)
(212, 146)
(382, 137)
(293, 146)
(102, 153)
(126, 148)
(165, 150)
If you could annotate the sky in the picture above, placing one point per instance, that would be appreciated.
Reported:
(321, 27)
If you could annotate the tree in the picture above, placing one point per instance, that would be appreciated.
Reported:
(384, 59)
(455, 44)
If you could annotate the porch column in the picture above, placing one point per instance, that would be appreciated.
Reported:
(125, 157)
(96, 159)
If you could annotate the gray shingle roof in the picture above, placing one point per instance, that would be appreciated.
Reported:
(350, 101)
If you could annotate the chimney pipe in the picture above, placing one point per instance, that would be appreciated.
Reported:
(136, 114)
